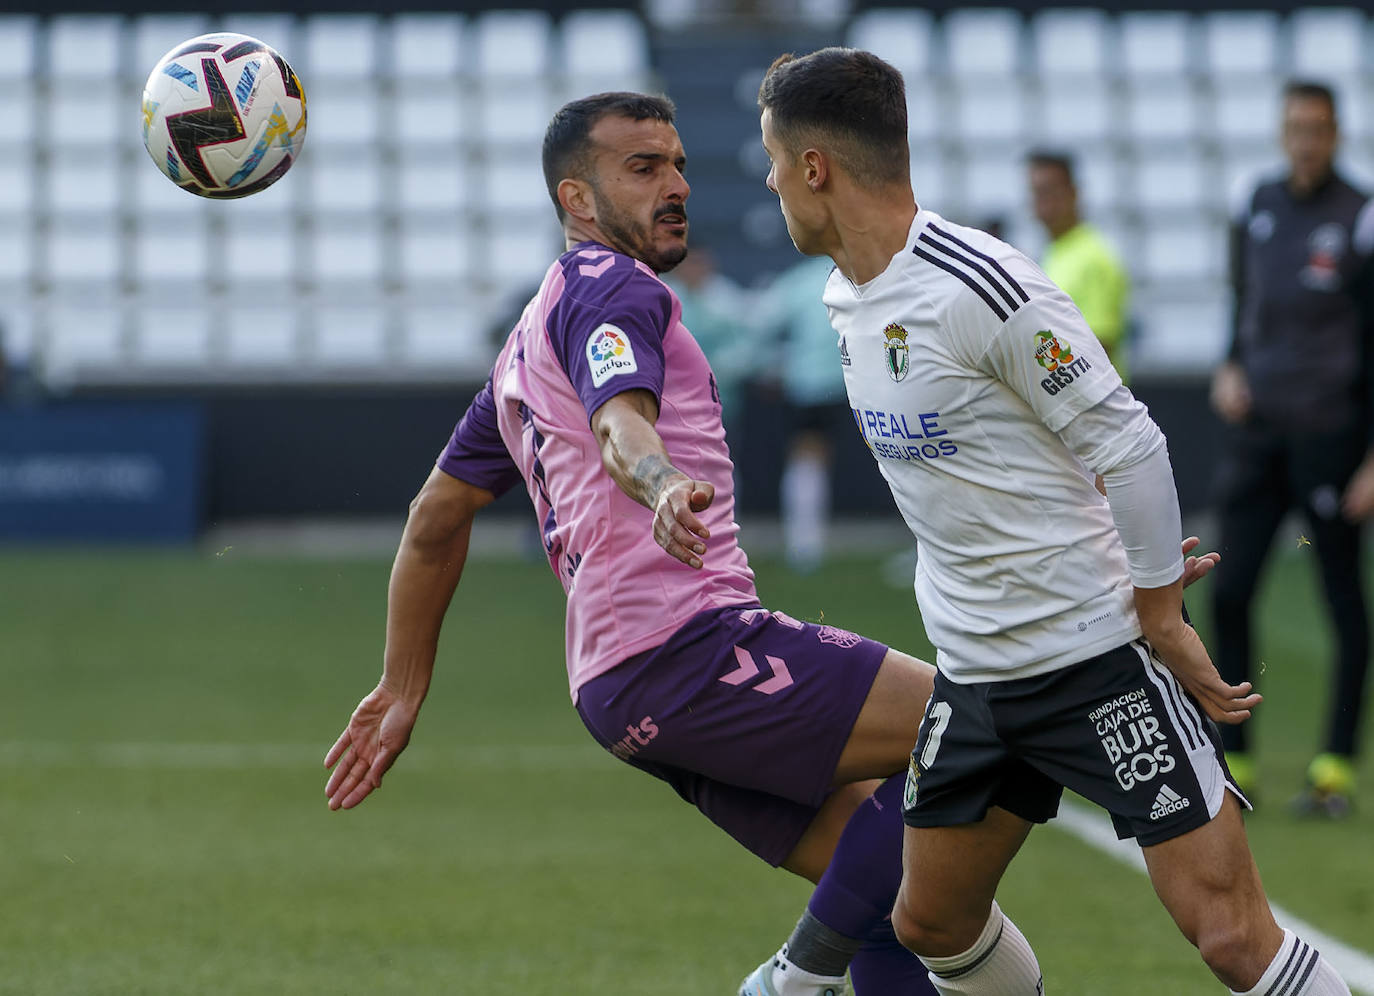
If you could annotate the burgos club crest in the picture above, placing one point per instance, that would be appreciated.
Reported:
(1050, 353)
(609, 353)
(895, 351)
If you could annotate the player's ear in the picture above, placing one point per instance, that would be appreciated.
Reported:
(815, 169)
(576, 198)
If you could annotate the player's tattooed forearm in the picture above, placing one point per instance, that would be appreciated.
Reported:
(650, 475)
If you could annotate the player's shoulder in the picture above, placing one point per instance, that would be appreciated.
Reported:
(597, 276)
(970, 275)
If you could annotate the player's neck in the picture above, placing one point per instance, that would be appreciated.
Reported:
(870, 231)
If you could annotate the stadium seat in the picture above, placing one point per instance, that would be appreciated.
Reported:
(983, 42)
(350, 184)
(1242, 166)
(153, 195)
(515, 116)
(349, 337)
(1100, 187)
(426, 47)
(277, 30)
(84, 47)
(18, 115)
(520, 250)
(1246, 109)
(83, 252)
(1179, 332)
(171, 258)
(83, 185)
(929, 176)
(514, 183)
(259, 251)
(1162, 111)
(434, 253)
(261, 340)
(154, 35)
(432, 117)
(16, 257)
(338, 46)
(1328, 41)
(343, 114)
(512, 45)
(1072, 113)
(1154, 44)
(991, 111)
(1073, 43)
(18, 47)
(1352, 103)
(346, 254)
(902, 37)
(447, 337)
(1180, 252)
(81, 121)
(81, 336)
(1240, 43)
(604, 50)
(433, 184)
(994, 184)
(16, 183)
(926, 109)
(1178, 181)
(172, 336)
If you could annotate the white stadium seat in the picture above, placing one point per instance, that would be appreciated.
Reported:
(447, 337)
(171, 258)
(428, 253)
(349, 337)
(983, 42)
(515, 116)
(339, 46)
(434, 184)
(346, 254)
(994, 184)
(512, 44)
(172, 336)
(81, 336)
(426, 46)
(926, 109)
(1180, 333)
(1162, 111)
(18, 114)
(1073, 113)
(18, 47)
(901, 36)
(514, 184)
(604, 49)
(1098, 176)
(343, 114)
(1246, 109)
(991, 111)
(16, 183)
(432, 116)
(261, 339)
(1178, 181)
(16, 256)
(259, 251)
(83, 186)
(1071, 42)
(84, 48)
(87, 119)
(1240, 43)
(346, 184)
(276, 30)
(83, 252)
(155, 195)
(1183, 251)
(1155, 43)
(1328, 41)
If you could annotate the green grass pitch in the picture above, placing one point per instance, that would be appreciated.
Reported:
(163, 826)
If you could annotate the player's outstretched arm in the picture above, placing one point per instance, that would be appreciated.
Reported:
(634, 455)
(424, 576)
(1178, 645)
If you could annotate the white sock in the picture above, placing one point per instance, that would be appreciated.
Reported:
(805, 508)
(789, 980)
(1000, 963)
(1298, 970)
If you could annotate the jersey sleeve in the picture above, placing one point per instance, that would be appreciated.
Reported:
(1044, 352)
(607, 330)
(475, 452)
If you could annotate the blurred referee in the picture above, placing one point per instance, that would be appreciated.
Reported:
(1295, 392)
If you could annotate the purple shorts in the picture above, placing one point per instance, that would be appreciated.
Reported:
(744, 712)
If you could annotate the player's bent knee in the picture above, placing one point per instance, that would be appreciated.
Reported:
(1233, 949)
(929, 936)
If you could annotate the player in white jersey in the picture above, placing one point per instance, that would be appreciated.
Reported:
(1064, 654)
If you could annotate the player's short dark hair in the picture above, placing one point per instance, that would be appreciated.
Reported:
(1052, 158)
(567, 140)
(850, 101)
(1310, 90)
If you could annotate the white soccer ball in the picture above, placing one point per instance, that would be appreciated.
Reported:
(223, 115)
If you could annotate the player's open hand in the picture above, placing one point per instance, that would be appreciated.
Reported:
(1197, 568)
(1185, 655)
(676, 526)
(375, 736)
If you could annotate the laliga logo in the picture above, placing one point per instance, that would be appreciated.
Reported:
(607, 345)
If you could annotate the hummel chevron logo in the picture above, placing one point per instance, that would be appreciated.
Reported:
(748, 668)
(588, 270)
(1166, 802)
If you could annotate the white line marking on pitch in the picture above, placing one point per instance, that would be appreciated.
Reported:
(1095, 830)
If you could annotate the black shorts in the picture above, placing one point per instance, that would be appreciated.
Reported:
(1117, 729)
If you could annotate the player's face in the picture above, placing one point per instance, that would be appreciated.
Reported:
(1052, 198)
(639, 191)
(1309, 139)
(787, 179)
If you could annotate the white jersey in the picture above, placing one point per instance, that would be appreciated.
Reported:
(962, 361)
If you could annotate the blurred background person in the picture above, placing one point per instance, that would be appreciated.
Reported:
(1294, 391)
(798, 351)
(1077, 257)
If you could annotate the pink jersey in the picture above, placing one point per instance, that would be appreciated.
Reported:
(603, 323)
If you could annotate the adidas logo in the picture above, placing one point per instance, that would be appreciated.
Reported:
(1168, 801)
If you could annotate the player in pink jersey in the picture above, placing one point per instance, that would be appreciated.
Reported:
(605, 407)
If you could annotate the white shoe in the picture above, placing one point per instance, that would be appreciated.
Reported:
(760, 981)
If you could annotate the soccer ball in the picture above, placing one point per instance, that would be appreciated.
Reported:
(223, 115)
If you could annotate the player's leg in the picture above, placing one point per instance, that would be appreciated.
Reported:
(1208, 882)
(1338, 545)
(1252, 500)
